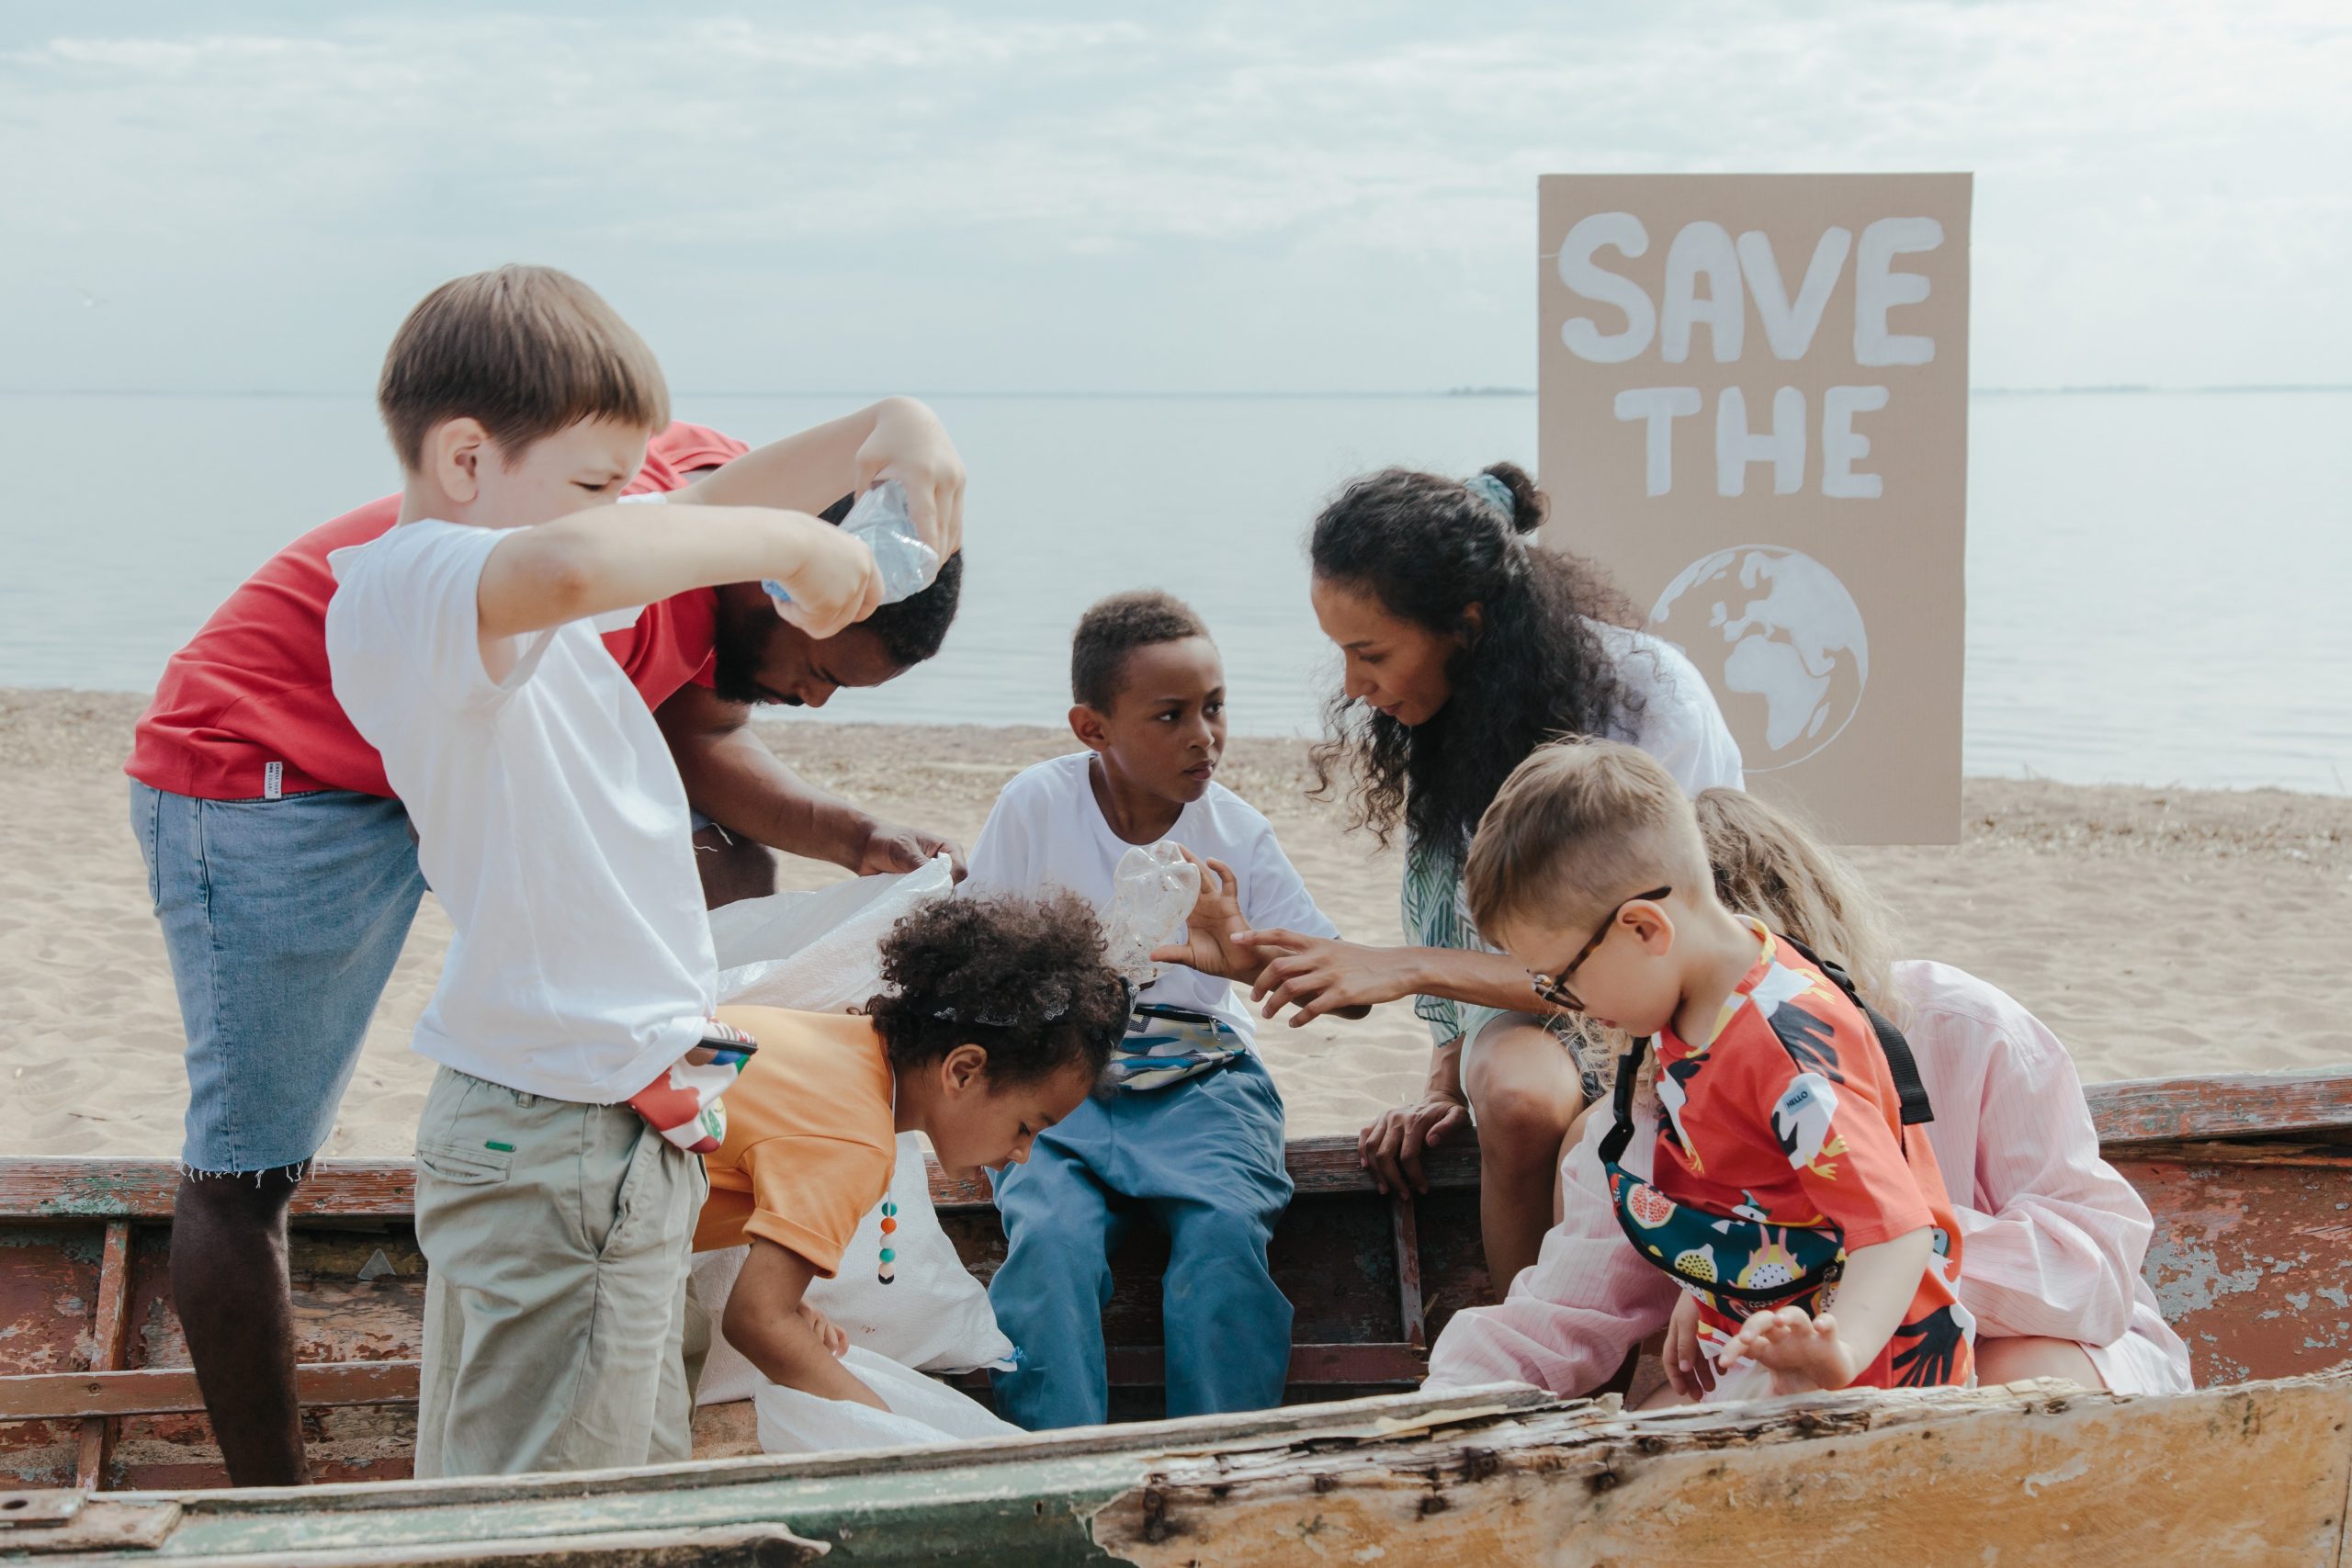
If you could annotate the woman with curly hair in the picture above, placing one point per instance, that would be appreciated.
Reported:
(998, 1017)
(1465, 648)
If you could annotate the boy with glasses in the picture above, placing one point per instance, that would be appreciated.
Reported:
(1783, 1179)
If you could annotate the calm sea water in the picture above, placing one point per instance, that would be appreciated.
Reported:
(2159, 586)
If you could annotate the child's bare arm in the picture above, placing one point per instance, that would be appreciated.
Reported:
(609, 557)
(1831, 1350)
(896, 438)
(766, 1321)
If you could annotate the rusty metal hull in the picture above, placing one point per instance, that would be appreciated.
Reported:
(2250, 1180)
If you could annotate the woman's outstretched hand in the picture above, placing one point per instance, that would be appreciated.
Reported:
(1391, 1147)
(1318, 975)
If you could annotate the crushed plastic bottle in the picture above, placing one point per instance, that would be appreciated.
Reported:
(1154, 888)
(881, 519)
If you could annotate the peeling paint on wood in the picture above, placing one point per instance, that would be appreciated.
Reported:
(2256, 1475)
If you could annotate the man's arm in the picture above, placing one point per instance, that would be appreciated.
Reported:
(897, 439)
(763, 1321)
(733, 777)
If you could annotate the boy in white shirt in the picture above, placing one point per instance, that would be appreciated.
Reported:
(580, 1065)
(1191, 1136)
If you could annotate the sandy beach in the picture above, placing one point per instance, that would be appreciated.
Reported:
(2158, 931)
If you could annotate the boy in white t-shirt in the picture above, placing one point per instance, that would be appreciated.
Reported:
(1192, 1138)
(580, 1065)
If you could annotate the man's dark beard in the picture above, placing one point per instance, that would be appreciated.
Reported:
(735, 680)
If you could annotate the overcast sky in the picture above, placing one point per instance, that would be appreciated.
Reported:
(1168, 199)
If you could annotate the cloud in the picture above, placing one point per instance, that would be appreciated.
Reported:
(1282, 197)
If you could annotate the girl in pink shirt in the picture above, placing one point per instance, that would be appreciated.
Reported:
(2054, 1238)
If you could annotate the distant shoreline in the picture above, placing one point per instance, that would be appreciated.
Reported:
(39, 705)
(2090, 390)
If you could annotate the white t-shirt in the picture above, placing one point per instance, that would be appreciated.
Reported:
(1679, 723)
(1047, 829)
(550, 819)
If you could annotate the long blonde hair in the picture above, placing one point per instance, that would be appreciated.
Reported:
(1766, 864)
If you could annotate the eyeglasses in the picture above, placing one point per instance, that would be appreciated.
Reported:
(1553, 988)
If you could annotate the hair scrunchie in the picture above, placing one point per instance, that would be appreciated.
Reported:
(1494, 494)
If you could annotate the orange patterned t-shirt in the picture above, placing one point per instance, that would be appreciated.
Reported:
(1789, 1115)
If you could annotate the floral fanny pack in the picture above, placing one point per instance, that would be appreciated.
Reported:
(1167, 1044)
(1735, 1263)
(1740, 1263)
(683, 1104)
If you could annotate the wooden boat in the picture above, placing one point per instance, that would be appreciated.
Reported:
(2249, 1177)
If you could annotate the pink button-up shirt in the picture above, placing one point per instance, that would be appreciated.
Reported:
(2053, 1237)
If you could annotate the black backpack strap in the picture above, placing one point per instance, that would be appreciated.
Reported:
(1629, 1066)
(1901, 1064)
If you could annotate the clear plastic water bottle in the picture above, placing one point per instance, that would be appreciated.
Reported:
(1154, 888)
(881, 519)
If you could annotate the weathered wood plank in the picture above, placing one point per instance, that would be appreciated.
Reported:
(152, 1390)
(2248, 1476)
(106, 1334)
(2236, 1105)
(2133, 1111)
(1405, 1229)
(143, 1190)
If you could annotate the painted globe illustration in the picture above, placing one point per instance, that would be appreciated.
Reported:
(1779, 640)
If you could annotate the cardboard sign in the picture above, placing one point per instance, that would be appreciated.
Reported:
(1755, 415)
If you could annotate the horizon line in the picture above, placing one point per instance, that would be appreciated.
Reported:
(2136, 388)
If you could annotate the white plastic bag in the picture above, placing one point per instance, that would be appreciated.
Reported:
(818, 952)
(921, 1412)
(1153, 890)
(933, 1314)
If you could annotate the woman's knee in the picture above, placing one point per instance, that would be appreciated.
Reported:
(1523, 1091)
(1517, 1125)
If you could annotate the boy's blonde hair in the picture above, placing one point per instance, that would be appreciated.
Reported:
(526, 350)
(1578, 827)
(1768, 865)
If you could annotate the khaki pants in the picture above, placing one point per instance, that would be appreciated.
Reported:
(555, 1238)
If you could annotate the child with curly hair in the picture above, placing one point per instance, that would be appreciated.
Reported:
(998, 1017)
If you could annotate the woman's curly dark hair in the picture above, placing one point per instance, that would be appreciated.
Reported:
(1428, 547)
(1023, 978)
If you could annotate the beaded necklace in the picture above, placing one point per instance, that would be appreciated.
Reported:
(883, 1270)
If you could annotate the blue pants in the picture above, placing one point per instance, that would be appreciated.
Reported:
(1204, 1160)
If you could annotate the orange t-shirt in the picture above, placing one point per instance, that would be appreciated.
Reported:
(811, 1138)
(1788, 1114)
